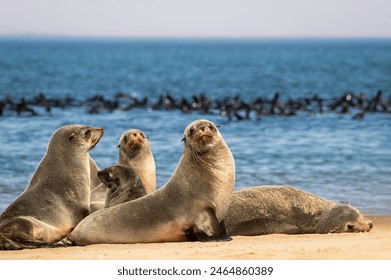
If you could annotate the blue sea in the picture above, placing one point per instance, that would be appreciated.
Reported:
(329, 154)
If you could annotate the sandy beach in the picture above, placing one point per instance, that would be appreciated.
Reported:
(373, 245)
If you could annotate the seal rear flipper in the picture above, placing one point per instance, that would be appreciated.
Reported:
(208, 228)
(65, 242)
(8, 244)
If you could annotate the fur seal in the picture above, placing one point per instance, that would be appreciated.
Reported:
(190, 206)
(254, 211)
(284, 209)
(94, 179)
(135, 152)
(57, 196)
(123, 184)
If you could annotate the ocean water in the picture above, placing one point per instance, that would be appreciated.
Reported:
(330, 155)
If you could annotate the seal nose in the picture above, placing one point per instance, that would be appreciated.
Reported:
(370, 225)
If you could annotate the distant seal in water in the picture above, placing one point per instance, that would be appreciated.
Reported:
(135, 152)
(190, 206)
(57, 197)
(284, 209)
(123, 184)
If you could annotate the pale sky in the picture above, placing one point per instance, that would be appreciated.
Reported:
(197, 18)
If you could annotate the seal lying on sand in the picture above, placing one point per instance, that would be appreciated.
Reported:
(278, 209)
(284, 209)
(57, 197)
(135, 152)
(191, 205)
(123, 184)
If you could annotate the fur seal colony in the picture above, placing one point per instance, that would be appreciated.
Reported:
(190, 206)
(57, 196)
(135, 152)
(197, 203)
(233, 108)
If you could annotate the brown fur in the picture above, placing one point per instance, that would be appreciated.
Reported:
(284, 209)
(123, 184)
(57, 197)
(135, 152)
(194, 200)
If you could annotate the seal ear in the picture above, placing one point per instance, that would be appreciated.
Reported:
(87, 134)
(183, 139)
(143, 135)
(119, 145)
(71, 137)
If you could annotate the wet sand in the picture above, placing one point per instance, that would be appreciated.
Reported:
(373, 245)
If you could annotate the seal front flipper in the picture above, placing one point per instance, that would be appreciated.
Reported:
(225, 236)
(208, 228)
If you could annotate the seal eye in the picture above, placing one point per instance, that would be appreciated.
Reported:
(211, 127)
(71, 137)
(125, 139)
(191, 131)
(350, 227)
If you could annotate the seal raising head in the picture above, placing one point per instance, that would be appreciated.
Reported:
(135, 151)
(200, 137)
(58, 194)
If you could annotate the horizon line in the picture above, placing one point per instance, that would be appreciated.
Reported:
(180, 37)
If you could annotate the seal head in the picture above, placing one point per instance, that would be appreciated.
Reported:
(123, 184)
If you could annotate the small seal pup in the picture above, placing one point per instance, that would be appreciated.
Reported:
(135, 152)
(57, 196)
(191, 205)
(123, 184)
(284, 209)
